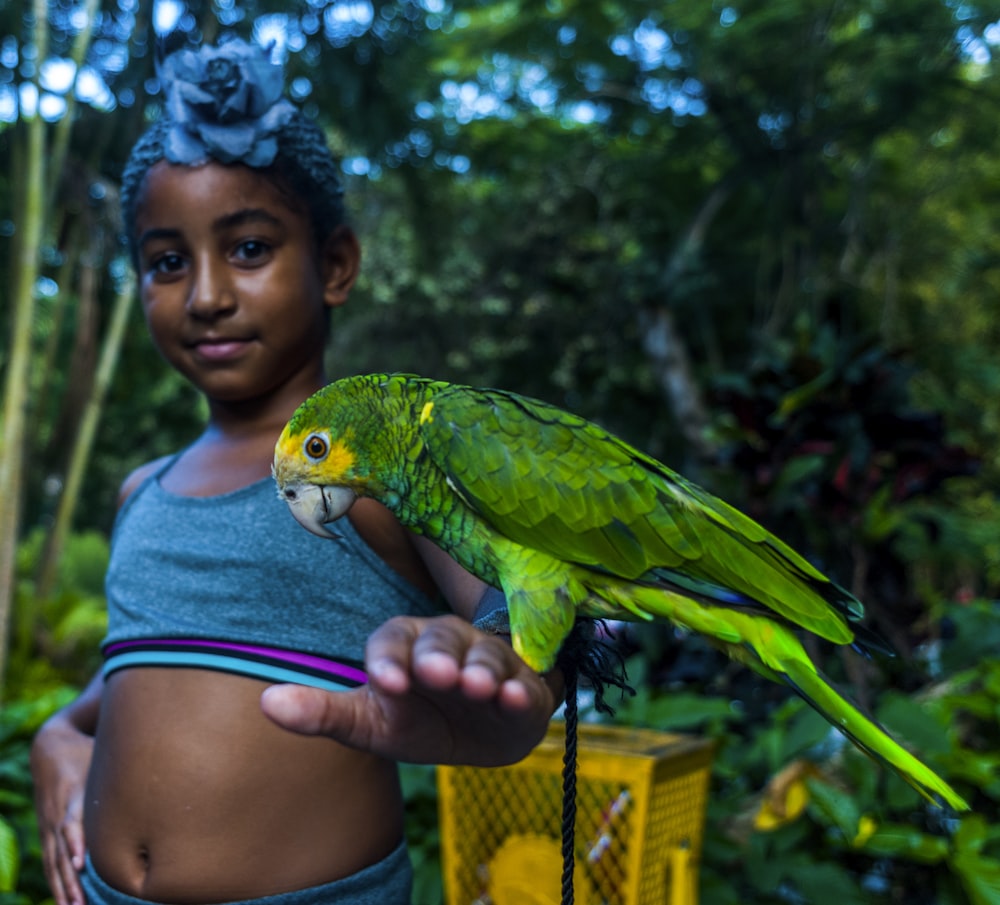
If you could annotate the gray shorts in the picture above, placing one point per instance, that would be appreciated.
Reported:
(387, 882)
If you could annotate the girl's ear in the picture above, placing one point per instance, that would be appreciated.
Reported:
(341, 261)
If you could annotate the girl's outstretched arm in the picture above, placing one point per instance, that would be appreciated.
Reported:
(439, 691)
(60, 760)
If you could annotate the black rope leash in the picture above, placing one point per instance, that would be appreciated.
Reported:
(569, 788)
(600, 665)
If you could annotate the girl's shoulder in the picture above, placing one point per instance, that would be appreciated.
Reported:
(135, 479)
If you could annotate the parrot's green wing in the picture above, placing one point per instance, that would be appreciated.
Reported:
(551, 481)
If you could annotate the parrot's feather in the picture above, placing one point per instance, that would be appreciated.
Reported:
(632, 515)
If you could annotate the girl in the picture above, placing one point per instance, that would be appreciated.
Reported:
(174, 776)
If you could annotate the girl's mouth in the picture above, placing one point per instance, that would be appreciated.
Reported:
(220, 349)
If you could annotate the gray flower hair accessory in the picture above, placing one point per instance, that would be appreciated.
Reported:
(225, 103)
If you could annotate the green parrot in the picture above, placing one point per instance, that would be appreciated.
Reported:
(569, 521)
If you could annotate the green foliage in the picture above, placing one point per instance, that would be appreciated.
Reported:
(22, 881)
(9, 857)
(422, 834)
(825, 444)
(56, 641)
(54, 651)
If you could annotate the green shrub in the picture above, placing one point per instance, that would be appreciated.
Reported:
(22, 881)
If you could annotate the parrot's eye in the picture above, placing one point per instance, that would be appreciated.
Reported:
(316, 447)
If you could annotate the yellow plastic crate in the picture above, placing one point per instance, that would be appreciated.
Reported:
(641, 799)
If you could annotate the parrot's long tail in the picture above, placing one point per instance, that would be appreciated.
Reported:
(867, 735)
(773, 650)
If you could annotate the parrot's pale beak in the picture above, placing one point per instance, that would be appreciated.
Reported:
(314, 506)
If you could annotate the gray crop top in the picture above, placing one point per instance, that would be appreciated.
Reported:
(233, 582)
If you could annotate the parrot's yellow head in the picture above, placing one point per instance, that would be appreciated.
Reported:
(350, 439)
(313, 471)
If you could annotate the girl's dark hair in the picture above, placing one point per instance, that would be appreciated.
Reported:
(303, 164)
(215, 98)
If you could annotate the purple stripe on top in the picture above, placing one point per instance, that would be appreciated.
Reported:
(294, 658)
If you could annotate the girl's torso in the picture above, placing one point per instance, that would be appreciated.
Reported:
(194, 795)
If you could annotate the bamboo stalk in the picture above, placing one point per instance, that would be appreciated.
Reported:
(110, 349)
(51, 347)
(60, 142)
(15, 397)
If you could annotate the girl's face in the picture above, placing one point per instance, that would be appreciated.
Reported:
(234, 290)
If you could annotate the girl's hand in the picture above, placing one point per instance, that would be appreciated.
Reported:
(60, 760)
(439, 691)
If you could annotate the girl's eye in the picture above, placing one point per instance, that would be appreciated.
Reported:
(251, 250)
(166, 263)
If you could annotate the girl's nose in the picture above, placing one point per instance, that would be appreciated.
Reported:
(210, 295)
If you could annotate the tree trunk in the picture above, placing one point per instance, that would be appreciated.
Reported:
(662, 342)
(667, 352)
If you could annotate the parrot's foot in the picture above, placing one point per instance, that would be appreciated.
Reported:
(597, 662)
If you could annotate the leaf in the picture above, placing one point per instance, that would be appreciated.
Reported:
(802, 396)
(85, 620)
(825, 884)
(801, 468)
(804, 731)
(899, 840)
(980, 876)
(785, 797)
(675, 711)
(717, 889)
(980, 768)
(763, 872)
(9, 857)
(913, 722)
(837, 808)
(977, 635)
(974, 833)
(25, 716)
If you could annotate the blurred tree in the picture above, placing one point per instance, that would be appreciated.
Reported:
(600, 204)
